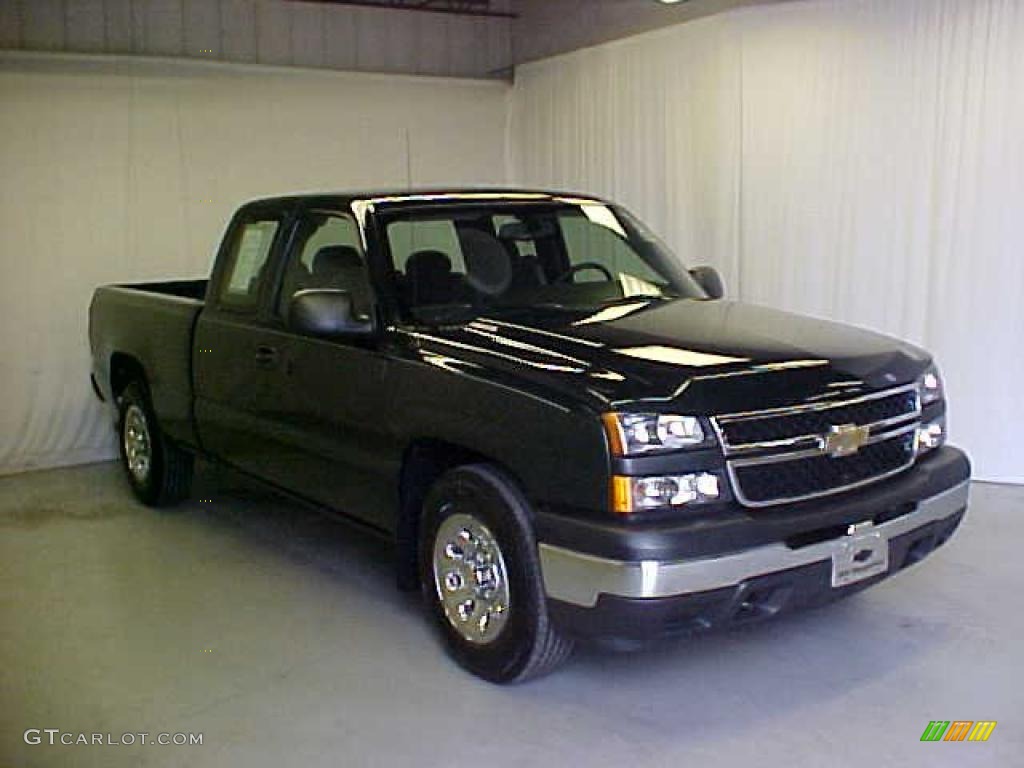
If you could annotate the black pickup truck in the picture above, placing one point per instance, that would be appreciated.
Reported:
(567, 433)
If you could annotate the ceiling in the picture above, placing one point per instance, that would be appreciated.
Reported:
(454, 38)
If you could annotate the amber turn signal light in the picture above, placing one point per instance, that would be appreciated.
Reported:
(621, 495)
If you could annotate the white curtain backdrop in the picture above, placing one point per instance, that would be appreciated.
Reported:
(855, 159)
(118, 170)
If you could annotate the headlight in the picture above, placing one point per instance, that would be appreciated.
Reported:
(635, 494)
(930, 386)
(630, 434)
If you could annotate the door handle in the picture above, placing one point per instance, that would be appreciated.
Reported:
(266, 357)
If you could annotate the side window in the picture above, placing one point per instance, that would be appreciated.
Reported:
(409, 237)
(596, 237)
(247, 261)
(327, 253)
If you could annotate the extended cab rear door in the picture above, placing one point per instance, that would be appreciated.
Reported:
(233, 359)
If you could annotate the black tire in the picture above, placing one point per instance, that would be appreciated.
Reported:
(528, 645)
(169, 478)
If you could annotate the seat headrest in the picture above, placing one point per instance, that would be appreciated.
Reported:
(488, 264)
(335, 258)
(428, 263)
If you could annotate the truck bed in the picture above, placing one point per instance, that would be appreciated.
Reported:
(149, 324)
(185, 289)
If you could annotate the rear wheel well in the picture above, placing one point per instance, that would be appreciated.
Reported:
(124, 369)
(424, 462)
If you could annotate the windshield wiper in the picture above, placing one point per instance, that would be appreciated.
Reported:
(635, 300)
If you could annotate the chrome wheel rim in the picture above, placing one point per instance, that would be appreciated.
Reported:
(137, 445)
(471, 579)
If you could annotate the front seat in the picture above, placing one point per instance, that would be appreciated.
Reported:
(429, 280)
(342, 267)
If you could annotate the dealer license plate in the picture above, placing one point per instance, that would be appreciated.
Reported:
(863, 553)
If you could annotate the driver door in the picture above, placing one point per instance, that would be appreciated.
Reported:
(332, 442)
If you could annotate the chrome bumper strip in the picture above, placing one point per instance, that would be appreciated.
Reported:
(579, 578)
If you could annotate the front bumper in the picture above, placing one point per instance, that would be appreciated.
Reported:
(639, 600)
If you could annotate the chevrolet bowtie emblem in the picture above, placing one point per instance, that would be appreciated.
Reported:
(845, 439)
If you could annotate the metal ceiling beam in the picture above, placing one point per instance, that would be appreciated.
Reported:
(455, 7)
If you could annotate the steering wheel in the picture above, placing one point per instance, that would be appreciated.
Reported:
(564, 277)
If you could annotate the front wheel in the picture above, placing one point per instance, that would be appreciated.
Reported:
(159, 472)
(482, 579)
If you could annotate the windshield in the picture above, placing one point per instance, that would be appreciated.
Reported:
(452, 260)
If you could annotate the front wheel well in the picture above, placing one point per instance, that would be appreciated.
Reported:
(425, 460)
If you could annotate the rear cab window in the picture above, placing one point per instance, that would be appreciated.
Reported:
(247, 262)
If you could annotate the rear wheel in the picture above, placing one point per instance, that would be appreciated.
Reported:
(158, 471)
(482, 580)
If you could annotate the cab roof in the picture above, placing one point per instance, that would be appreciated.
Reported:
(425, 196)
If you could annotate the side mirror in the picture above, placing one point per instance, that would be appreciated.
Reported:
(326, 312)
(709, 279)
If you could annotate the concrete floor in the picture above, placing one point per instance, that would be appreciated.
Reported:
(277, 634)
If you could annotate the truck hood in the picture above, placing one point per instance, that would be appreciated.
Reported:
(702, 356)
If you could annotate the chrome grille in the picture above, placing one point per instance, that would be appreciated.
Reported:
(780, 455)
(819, 474)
